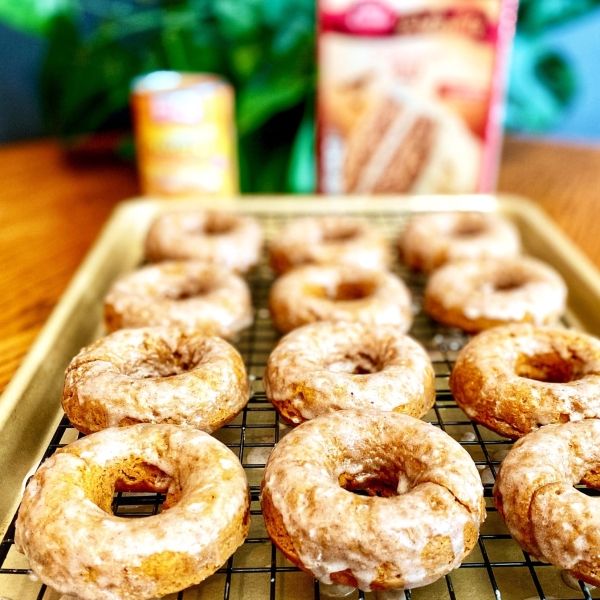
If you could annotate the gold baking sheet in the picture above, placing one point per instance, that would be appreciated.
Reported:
(30, 409)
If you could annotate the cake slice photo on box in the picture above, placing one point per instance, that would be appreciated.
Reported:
(406, 143)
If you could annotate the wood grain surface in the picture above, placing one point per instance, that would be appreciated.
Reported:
(564, 180)
(51, 211)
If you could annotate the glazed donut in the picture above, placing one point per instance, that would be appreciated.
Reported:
(75, 544)
(188, 294)
(325, 366)
(339, 293)
(328, 240)
(423, 527)
(516, 378)
(433, 239)
(477, 295)
(545, 514)
(217, 237)
(155, 375)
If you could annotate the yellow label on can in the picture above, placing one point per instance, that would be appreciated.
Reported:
(185, 134)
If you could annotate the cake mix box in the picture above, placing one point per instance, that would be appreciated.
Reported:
(411, 93)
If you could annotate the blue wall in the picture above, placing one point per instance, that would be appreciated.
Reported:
(579, 42)
(20, 58)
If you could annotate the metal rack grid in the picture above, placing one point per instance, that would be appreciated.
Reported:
(496, 569)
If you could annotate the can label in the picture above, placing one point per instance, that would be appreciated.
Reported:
(185, 134)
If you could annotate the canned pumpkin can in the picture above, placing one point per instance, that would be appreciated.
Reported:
(185, 134)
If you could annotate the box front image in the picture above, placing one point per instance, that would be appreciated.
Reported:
(410, 94)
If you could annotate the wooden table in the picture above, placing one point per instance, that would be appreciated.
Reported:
(52, 210)
(50, 213)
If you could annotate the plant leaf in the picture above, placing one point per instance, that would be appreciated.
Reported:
(97, 86)
(299, 30)
(64, 43)
(34, 16)
(238, 19)
(536, 16)
(246, 59)
(301, 176)
(257, 104)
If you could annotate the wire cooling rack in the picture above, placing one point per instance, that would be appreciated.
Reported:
(495, 570)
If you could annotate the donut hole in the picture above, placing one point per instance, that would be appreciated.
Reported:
(160, 365)
(190, 289)
(502, 281)
(340, 234)
(505, 282)
(469, 227)
(213, 225)
(345, 291)
(383, 484)
(352, 290)
(591, 478)
(131, 475)
(218, 224)
(355, 363)
(548, 367)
